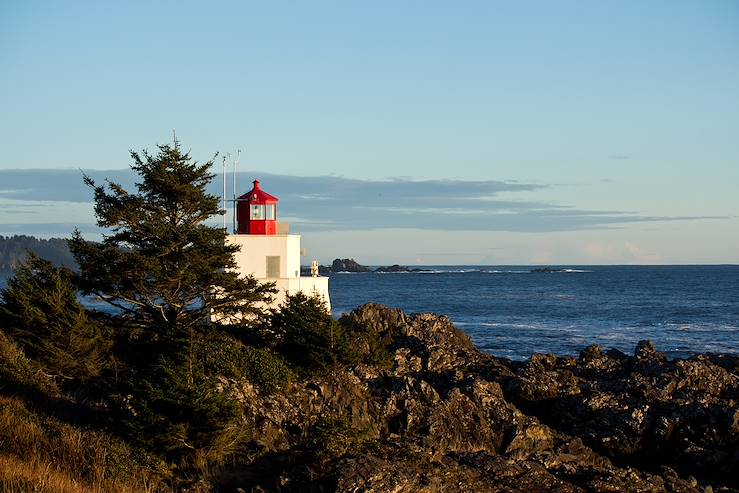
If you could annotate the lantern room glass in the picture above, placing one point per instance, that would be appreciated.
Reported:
(270, 212)
(257, 211)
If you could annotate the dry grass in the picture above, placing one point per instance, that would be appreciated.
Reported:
(32, 476)
(44, 455)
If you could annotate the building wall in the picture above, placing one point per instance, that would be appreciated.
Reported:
(252, 259)
(292, 264)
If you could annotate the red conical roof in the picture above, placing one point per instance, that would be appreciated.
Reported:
(258, 195)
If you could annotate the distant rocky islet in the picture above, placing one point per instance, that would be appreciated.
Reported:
(352, 266)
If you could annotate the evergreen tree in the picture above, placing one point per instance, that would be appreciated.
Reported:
(167, 271)
(162, 266)
(40, 311)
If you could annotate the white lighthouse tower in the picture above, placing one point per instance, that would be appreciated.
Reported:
(268, 252)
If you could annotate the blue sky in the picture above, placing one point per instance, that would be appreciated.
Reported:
(504, 133)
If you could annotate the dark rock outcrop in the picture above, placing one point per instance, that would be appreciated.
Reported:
(546, 270)
(338, 265)
(348, 265)
(444, 416)
(398, 268)
(641, 411)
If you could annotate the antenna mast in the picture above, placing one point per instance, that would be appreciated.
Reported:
(225, 211)
(235, 163)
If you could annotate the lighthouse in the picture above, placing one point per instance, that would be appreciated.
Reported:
(268, 251)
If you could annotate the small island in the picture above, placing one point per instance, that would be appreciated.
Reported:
(399, 268)
(546, 270)
(344, 265)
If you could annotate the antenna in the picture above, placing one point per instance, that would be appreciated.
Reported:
(225, 211)
(235, 162)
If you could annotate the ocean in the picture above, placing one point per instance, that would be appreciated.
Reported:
(513, 312)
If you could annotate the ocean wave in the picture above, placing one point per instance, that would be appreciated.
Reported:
(512, 325)
(699, 327)
(467, 271)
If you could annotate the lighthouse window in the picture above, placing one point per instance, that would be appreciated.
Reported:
(270, 212)
(257, 212)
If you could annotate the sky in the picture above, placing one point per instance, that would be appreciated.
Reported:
(530, 132)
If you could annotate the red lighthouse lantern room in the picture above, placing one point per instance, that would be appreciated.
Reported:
(256, 212)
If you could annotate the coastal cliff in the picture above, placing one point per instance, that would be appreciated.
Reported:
(441, 415)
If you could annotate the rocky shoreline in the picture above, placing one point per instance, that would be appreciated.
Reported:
(444, 416)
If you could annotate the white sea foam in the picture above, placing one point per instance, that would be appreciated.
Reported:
(564, 296)
(699, 327)
(512, 325)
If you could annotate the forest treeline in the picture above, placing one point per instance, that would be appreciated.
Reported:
(14, 249)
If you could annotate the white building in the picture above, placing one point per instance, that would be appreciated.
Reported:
(268, 251)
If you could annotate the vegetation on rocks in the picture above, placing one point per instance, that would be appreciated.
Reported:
(158, 397)
(306, 335)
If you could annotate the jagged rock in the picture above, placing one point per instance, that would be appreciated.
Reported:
(642, 410)
(348, 265)
(443, 416)
(645, 351)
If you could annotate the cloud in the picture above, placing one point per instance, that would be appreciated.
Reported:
(334, 203)
(626, 252)
(18, 211)
(63, 185)
(59, 230)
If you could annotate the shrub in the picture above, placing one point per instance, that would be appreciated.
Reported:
(308, 337)
(222, 355)
(267, 369)
(18, 373)
(177, 410)
(333, 436)
(39, 310)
